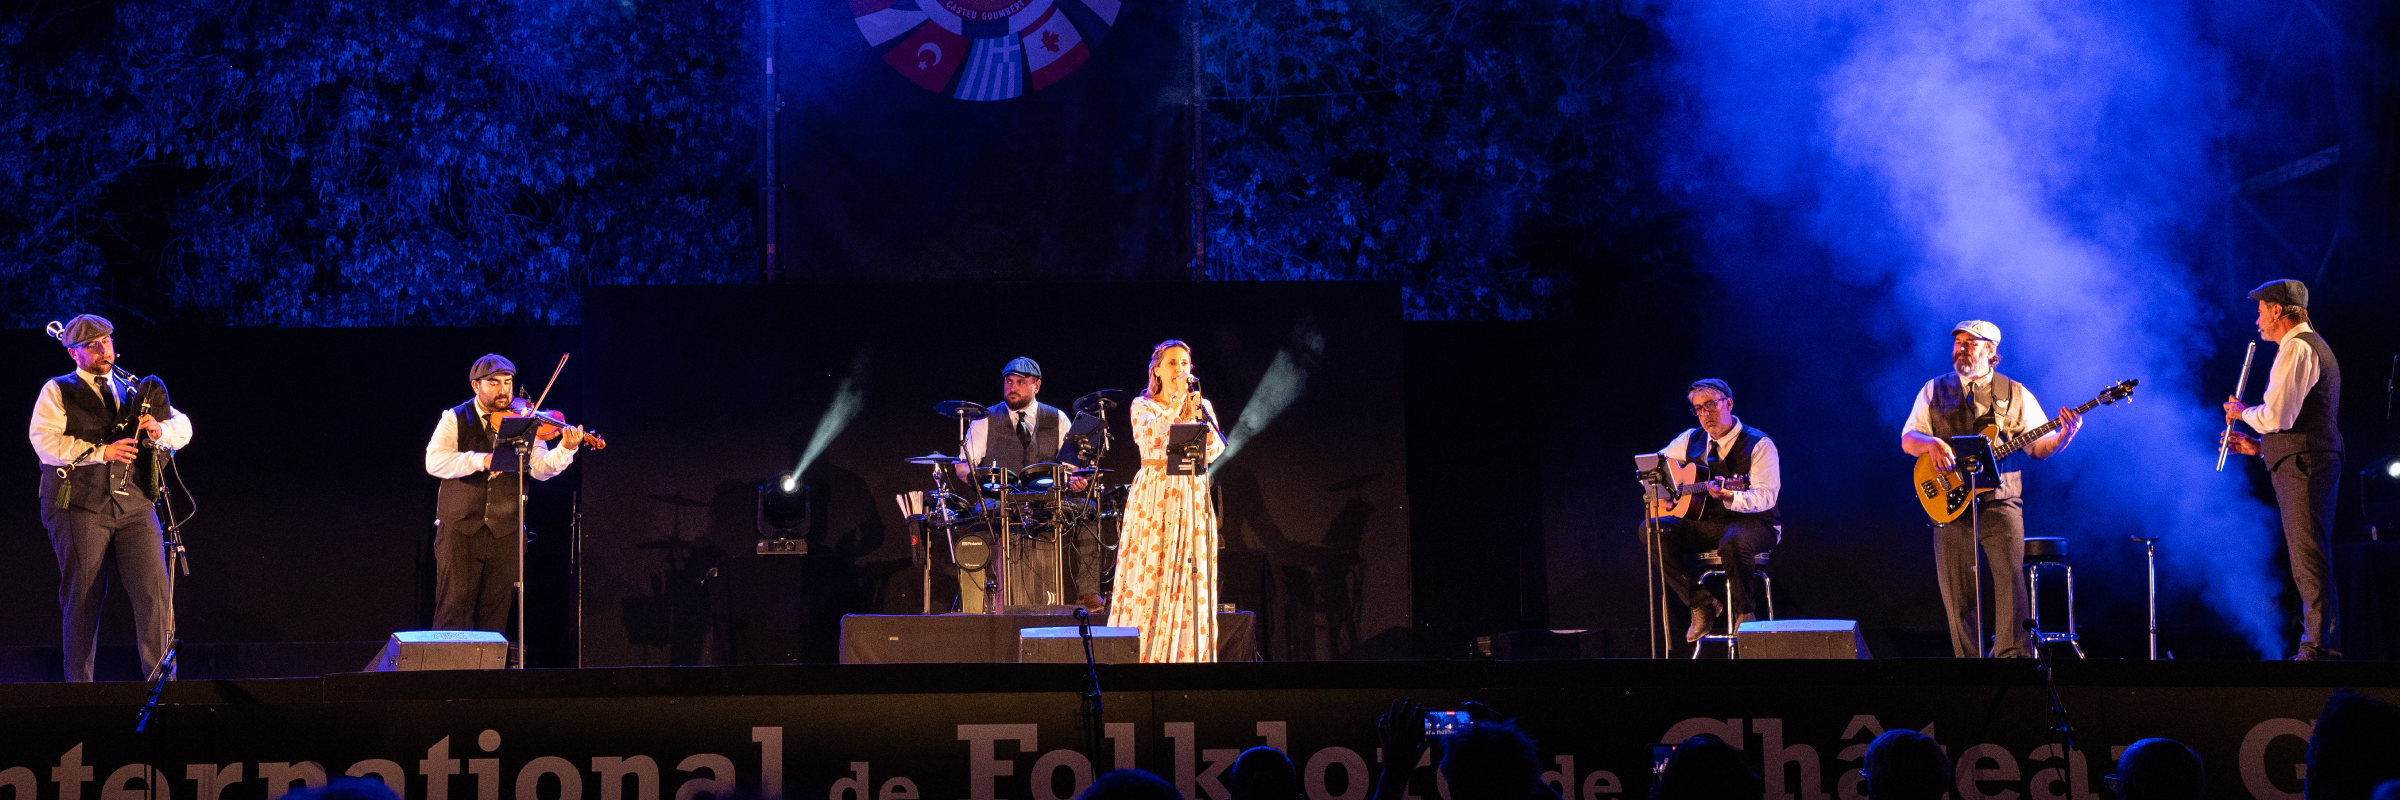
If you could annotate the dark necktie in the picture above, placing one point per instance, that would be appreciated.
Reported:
(1025, 426)
(108, 392)
(1982, 395)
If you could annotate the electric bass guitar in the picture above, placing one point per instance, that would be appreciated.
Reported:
(1944, 494)
(1687, 483)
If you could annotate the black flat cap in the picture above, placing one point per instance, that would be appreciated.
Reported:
(490, 365)
(1022, 366)
(2286, 292)
(1711, 384)
(84, 328)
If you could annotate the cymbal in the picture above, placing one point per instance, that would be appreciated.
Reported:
(959, 409)
(1100, 401)
(936, 458)
(1088, 471)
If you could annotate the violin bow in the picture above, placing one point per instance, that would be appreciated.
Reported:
(554, 371)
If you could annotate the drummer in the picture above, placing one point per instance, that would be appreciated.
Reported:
(1016, 434)
(1022, 432)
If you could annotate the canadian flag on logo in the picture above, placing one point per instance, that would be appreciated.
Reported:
(1052, 48)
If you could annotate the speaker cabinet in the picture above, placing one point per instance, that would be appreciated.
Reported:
(1801, 638)
(409, 651)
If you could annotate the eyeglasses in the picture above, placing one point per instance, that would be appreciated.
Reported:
(1704, 408)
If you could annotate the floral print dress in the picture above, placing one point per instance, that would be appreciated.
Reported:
(1167, 562)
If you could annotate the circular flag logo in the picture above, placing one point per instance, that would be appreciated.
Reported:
(985, 49)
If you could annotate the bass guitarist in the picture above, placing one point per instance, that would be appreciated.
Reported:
(1737, 521)
(1963, 402)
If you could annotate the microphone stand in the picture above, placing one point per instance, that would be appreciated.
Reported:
(1090, 708)
(158, 684)
(2058, 710)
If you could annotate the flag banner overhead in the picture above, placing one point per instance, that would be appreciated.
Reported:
(1027, 138)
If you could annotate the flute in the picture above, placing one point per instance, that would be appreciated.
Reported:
(2225, 440)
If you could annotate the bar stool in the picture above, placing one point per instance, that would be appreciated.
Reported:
(2051, 551)
(1716, 569)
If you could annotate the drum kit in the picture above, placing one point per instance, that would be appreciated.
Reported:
(1003, 515)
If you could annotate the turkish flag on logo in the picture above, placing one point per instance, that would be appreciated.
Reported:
(929, 56)
(1053, 48)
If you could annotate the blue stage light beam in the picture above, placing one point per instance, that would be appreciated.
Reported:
(1286, 379)
(1872, 172)
(848, 397)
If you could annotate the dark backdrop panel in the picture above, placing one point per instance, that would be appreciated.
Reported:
(307, 461)
(1089, 177)
(709, 391)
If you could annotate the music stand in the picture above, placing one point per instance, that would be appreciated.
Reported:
(1187, 448)
(1973, 455)
(515, 438)
(1651, 470)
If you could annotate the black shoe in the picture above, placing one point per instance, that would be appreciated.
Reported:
(1703, 617)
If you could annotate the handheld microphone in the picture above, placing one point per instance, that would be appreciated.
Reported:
(1192, 382)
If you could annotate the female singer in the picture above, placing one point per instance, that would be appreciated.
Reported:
(1167, 569)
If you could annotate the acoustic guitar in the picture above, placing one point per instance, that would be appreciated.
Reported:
(1686, 476)
(1944, 494)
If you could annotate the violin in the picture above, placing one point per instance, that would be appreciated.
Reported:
(552, 422)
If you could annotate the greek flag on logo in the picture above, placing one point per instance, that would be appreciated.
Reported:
(995, 70)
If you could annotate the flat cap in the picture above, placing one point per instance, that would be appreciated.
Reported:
(1711, 384)
(2286, 292)
(490, 365)
(1979, 329)
(84, 328)
(1022, 366)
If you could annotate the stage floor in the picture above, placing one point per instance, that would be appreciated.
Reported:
(1012, 730)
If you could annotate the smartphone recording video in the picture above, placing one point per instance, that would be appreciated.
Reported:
(1444, 721)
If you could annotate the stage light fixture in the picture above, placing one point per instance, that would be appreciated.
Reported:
(2391, 468)
(783, 514)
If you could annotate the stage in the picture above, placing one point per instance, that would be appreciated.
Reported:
(897, 731)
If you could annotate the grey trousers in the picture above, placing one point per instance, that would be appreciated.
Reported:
(2304, 486)
(82, 540)
(2003, 552)
(474, 578)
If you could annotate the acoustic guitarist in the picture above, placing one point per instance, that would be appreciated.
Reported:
(1963, 402)
(1737, 521)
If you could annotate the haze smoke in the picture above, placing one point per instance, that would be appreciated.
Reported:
(2040, 165)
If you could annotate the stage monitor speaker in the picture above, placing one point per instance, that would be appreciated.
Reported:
(1801, 638)
(1065, 645)
(409, 651)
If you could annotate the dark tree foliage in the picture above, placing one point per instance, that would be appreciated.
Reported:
(450, 162)
(369, 162)
(1485, 155)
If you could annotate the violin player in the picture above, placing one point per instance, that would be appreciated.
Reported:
(477, 514)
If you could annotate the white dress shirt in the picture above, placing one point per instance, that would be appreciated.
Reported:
(49, 428)
(443, 459)
(1766, 467)
(2288, 382)
(976, 429)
